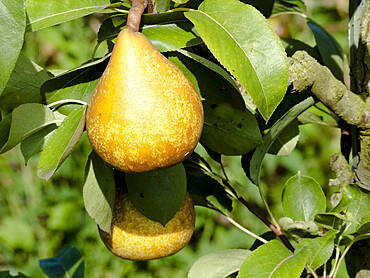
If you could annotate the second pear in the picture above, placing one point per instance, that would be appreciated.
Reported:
(144, 114)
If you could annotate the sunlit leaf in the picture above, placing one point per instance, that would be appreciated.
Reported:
(302, 198)
(319, 249)
(76, 84)
(24, 84)
(62, 143)
(218, 264)
(247, 47)
(57, 11)
(26, 120)
(355, 205)
(12, 27)
(273, 260)
(36, 142)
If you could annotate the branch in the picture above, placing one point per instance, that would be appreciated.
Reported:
(277, 231)
(307, 74)
(135, 13)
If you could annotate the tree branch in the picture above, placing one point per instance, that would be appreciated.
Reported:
(307, 73)
(135, 13)
(277, 231)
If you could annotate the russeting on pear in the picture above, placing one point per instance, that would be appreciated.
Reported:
(144, 113)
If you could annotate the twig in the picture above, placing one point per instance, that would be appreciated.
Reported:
(135, 13)
(240, 227)
(272, 227)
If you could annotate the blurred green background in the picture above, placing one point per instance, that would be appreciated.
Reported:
(38, 218)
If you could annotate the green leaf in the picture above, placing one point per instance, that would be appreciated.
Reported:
(228, 130)
(60, 265)
(218, 264)
(99, 191)
(17, 233)
(5, 124)
(197, 163)
(331, 220)
(205, 186)
(253, 167)
(36, 142)
(62, 143)
(171, 37)
(77, 84)
(319, 249)
(163, 5)
(114, 24)
(355, 205)
(26, 120)
(285, 143)
(160, 194)
(302, 198)
(24, 84)
(273, 260)
(212, 82)
(111, 26)
(55, 12)
(363, 231)
(247, 47)
(289, 6)
(12, 27)
(228, 89)
(329, 49)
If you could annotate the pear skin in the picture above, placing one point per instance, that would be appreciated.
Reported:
(135, 237)
(144, 114)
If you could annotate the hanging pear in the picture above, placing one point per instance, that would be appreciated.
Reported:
(144, 113)
(135, 237)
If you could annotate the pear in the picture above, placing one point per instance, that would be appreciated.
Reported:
(144, 114)
(133, 236)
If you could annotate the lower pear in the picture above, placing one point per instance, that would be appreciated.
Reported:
(133, 236)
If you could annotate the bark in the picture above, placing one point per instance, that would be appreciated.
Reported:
(307, 74)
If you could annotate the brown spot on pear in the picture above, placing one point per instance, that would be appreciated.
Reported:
(135, 237)
(144, 113)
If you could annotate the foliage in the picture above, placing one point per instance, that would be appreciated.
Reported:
(254, 113)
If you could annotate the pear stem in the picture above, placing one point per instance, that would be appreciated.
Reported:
(135, 13)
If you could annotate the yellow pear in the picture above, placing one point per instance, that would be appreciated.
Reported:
(144, 113)
(135, 237)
